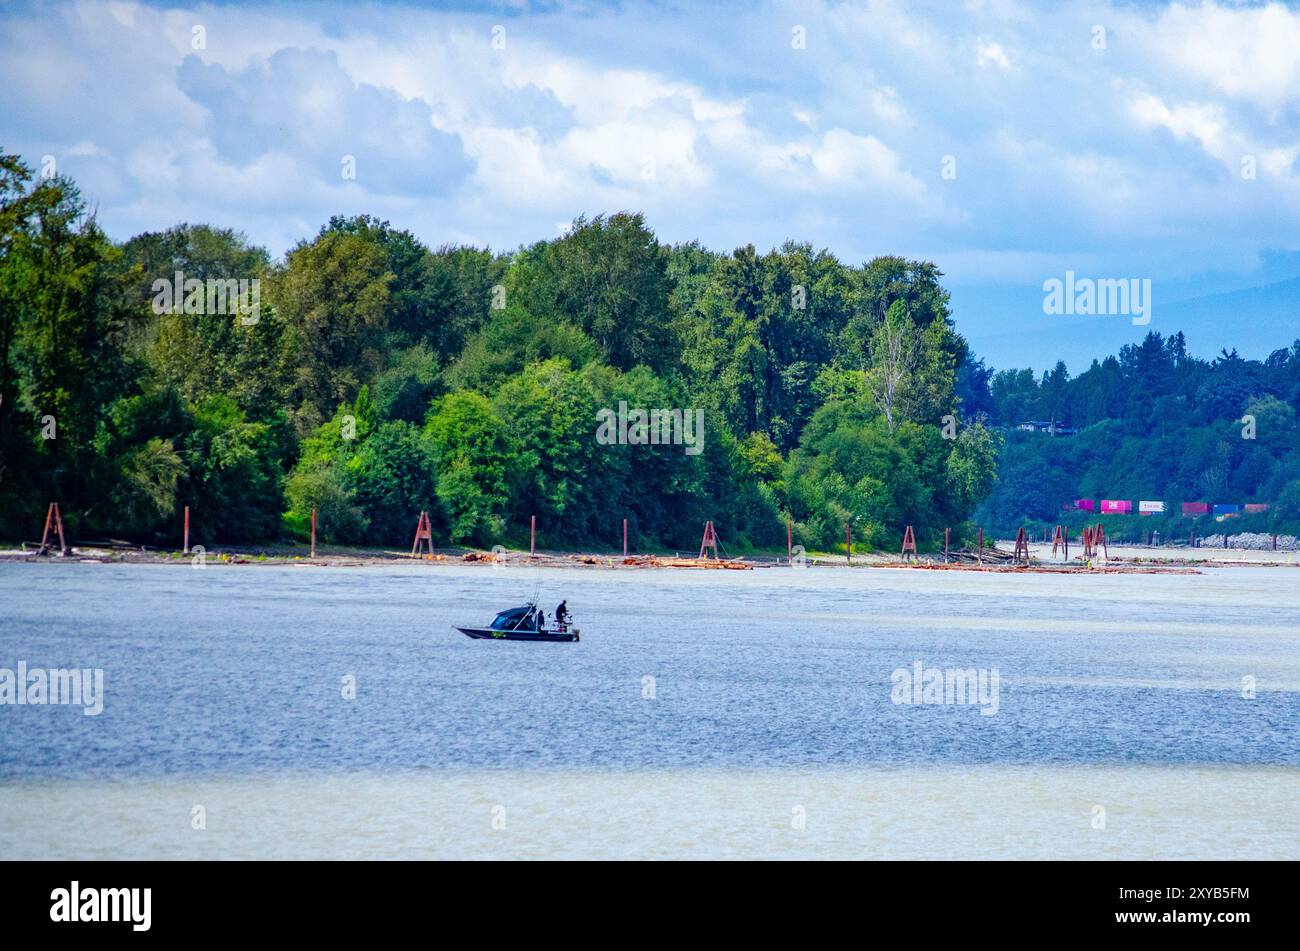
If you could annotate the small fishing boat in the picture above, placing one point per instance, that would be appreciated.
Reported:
(520, 624)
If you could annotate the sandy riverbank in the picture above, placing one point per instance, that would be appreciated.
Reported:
(1120, 558)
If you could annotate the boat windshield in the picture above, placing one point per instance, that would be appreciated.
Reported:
(514, 618)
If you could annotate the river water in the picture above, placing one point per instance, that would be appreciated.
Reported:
(704, 713)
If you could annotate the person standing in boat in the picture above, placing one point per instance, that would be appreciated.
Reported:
(541, 619)
(562, 614)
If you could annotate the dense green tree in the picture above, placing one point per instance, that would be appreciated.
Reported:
(379, 378)
(324, 477)
(550, 415)
(512, 339)
(392, 476)
(435, 298)
(63, 325)
(472, 446)
(232, 482)
(852, 467)
(223, 346)
(972, 467)
(1015, 396)
(333, 295)
(412, 380)
(607, 276)
(972, 388)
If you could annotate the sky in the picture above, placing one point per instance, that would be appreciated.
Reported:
(1008, 142)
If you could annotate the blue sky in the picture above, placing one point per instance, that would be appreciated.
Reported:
(1104, 138)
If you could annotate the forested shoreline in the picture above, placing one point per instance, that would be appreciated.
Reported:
(378, 378)
(1152, 423)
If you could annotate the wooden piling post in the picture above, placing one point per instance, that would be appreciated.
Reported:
(947, 537)
(981, 548)
(848, 544)
(532, 536)
(1022, 546)
(789, 541)
(624, 538)
(185, 547)
(49, 520)
(313, 532)
(909, 544)
(423, 533)
(709, 540)
(53, 519)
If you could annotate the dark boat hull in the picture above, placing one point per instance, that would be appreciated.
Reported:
(488, 634)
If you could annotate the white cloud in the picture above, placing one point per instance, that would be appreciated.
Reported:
(992, 54)
(1058, 147)
(1209, 127)
(844, 158)
(1247, 53)
(1204, 123)
(886, 103)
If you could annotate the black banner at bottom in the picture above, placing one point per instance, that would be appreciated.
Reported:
(334, 900)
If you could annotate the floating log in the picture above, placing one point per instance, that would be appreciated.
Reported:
(989, 556)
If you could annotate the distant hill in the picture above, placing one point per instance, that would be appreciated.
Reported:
(1010, 330)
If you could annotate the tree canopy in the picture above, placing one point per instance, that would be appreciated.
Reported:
(381, 378)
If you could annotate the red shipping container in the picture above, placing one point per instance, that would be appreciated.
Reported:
(1084, 505)
(1116, 507)
(1256, 507)
(1196, 508)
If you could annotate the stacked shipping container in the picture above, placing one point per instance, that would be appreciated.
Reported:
(1155, 507)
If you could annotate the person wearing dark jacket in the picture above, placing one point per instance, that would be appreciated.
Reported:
(562, 613)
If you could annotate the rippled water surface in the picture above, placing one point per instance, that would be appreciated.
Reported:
(232, 675)
(233, 669)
